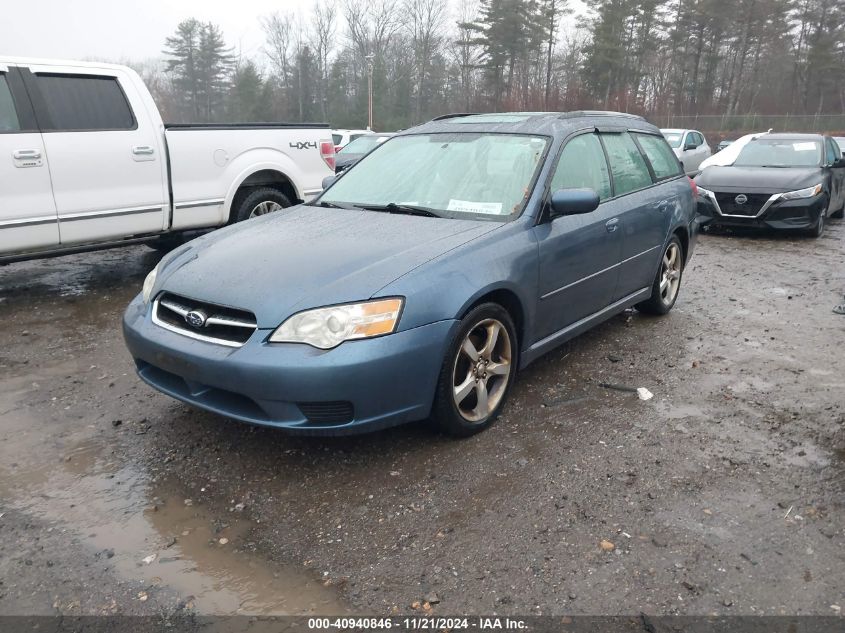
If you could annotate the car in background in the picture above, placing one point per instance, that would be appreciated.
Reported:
(723, 144)
(357, 149)
(342, 138)
(779, 181)
(689, 146)
(840, 141)
(423, 278)
(728, 155)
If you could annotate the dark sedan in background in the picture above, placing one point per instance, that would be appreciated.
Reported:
(357, 149)
(779, 181)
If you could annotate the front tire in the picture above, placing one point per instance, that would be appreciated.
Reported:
(667, 283)
(477, 372)
(818, 230)
(259, 202)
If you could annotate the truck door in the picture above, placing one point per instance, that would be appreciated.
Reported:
(104, 152)
(28, 218)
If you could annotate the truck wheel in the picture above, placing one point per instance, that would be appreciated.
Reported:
(667, 284)
(477, 372)
(259, 202)
(167, 243)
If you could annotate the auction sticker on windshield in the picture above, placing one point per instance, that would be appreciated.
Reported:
(490, 208)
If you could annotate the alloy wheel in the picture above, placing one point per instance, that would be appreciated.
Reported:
(265, 207)
(670, 274)
(482, 370)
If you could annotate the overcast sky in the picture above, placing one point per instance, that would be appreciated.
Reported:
(124, 29)
(120, 30)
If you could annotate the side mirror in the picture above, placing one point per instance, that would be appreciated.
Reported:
(328, 181)
(573, 202)
(689, 146)
(839, 163)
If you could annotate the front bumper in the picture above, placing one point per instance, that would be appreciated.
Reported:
(780, 214)
(383, 381)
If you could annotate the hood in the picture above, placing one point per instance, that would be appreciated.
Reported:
(759, 179)
(307, 257)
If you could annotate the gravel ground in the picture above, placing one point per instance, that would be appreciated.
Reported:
(724, 494)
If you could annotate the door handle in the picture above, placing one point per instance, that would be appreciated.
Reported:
(143, 150)
(611, 225)
(26, 154)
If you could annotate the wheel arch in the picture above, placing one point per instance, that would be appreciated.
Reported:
(257, 175)
(506, 297)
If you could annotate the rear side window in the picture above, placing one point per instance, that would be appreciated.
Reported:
(660, 155)
(336, 139)
(627, 165)
(77, 103)
(8, 115)
(582, 165)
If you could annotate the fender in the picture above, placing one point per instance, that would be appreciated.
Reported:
(246, 165)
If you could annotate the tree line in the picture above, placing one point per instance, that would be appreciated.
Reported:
(651, 57)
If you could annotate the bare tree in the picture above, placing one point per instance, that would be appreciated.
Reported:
(425, 20)
(324, 27)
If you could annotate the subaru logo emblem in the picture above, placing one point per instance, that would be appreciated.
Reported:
(196, 318)
(741, 199)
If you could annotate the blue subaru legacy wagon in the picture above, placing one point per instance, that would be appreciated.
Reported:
(422, 278)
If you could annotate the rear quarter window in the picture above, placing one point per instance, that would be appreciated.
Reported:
(627, 164)
(81, 103)
(660, 155)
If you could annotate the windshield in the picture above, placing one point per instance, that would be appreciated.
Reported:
(780, 153)
(673, 138)
(465, 174)
(363, 144)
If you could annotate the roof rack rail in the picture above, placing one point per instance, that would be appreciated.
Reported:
(579, 113)
(454, 115)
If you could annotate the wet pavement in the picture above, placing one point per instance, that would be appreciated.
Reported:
(723, 494)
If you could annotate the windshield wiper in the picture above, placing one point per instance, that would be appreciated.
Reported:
(407, 209)
(336, 205)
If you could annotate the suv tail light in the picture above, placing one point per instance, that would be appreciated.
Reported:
(694, 188)
(327, 153)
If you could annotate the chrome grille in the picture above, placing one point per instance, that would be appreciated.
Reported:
(204, 321)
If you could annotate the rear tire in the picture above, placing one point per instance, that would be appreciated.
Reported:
(478, 372)
(258, 202)
(667, 282)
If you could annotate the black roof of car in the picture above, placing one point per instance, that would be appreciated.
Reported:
(544, 123)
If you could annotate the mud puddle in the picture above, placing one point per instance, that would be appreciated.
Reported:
(142, 527)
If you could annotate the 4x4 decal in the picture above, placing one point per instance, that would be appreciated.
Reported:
(304, 145)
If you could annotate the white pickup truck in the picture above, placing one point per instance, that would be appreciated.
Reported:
(86, 163)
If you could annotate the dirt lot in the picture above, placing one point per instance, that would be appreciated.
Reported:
(723, 494)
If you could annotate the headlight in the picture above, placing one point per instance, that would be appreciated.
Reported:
(149, 282)
(705, 192)
(329, 327)
(809, 192)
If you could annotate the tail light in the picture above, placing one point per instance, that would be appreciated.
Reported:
(327, 153)
(694, 188)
